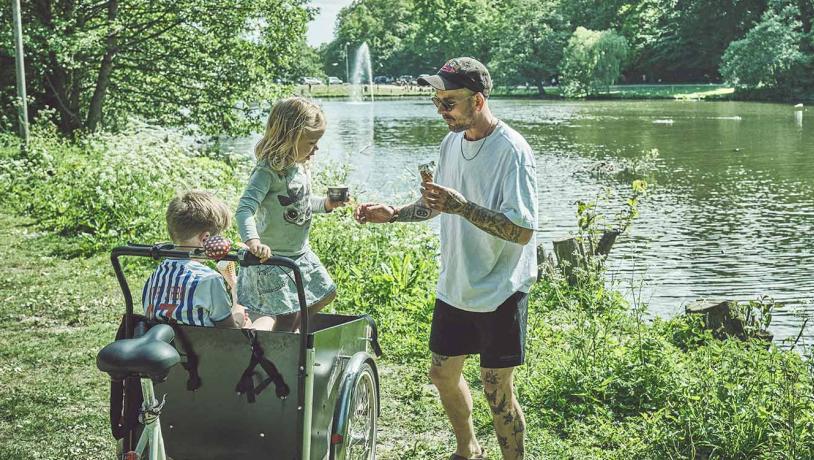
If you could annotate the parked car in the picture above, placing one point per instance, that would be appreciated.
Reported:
(310, 81)
(382, 80)
(334, 81)
(406, 80)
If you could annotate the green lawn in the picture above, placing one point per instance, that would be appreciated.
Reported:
(656, 91)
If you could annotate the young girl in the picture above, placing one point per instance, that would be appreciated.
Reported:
(274, 216)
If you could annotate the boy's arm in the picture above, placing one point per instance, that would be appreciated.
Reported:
(221, 306)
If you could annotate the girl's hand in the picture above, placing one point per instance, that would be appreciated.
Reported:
(330, 204)
(259, 249)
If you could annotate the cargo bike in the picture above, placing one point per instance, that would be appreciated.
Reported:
(241, 393)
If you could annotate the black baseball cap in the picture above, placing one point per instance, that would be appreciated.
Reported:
(462, 72)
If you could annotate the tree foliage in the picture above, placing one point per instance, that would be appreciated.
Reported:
(767, 52)
(522, 41)
(176, 62)
(530, 39)
(592, 61)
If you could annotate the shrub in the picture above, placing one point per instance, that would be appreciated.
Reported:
(767, 55)
(107, 189)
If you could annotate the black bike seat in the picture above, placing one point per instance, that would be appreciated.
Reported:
(150, 355)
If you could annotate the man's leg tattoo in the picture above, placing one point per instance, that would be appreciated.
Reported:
(510, 426)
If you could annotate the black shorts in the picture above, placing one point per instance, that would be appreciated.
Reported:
(499, 337)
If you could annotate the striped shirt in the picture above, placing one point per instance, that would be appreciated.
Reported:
(186, 291)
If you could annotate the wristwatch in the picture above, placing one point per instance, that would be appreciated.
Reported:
(395, 215)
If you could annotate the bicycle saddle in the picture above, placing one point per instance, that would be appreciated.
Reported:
(150, 355)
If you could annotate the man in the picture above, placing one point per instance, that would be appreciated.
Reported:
(485, 190)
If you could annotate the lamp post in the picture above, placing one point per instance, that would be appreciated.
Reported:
(347, 71)
(18, 58)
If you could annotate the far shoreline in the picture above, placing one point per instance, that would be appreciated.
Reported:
(659, 91)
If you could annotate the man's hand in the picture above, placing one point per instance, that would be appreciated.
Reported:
(443, 199)
(373, 213)
(259, 249)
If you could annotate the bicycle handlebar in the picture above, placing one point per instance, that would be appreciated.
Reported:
(243, 257)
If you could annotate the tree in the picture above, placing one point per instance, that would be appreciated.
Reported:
(177, 62)
(529, 39)
(384, 24)
(414, 36)
(766, 55)
(693, 34)
(592, 61)
(308, 63)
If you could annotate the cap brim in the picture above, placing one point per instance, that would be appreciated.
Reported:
(439, 82)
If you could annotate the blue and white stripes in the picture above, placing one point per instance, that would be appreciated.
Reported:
(186, 292)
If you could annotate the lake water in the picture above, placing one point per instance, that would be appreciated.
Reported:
(729, 212)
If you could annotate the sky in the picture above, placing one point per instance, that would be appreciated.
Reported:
(321, 29)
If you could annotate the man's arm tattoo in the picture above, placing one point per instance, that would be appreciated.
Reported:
(416, 212)
(494, 223)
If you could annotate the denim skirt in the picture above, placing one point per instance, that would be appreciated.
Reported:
(271, 290)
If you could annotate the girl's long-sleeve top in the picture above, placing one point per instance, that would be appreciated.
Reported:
(276, 207)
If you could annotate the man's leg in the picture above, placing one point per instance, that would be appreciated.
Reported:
(446, 375)
(507, 416)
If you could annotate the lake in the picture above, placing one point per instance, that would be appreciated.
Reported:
(730, 207)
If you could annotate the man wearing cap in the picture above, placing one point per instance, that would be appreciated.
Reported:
(485, 190)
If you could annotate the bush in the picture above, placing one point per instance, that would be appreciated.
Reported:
(768, 54)
(107, 189)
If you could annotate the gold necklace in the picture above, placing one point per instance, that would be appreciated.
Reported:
(483, 141)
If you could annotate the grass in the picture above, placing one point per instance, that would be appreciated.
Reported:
(653, 91)
(56, 313)
(599, 382)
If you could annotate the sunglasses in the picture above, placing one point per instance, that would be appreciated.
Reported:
(443, 104)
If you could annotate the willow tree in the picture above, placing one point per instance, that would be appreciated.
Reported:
(593, 61)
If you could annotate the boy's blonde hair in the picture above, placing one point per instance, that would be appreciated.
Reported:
(288, 120)
(196, 211)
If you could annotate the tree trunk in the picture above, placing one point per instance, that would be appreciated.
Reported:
(545, 263)
(540, 88)
(58, 98)
(722, 319)
(606, 243)
(103, 80)
(570, 256)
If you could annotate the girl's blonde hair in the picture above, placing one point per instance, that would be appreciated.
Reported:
(288, 120)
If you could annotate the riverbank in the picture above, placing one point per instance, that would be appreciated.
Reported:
(600, 381)
(657, 91)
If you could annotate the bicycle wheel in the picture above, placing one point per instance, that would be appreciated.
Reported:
(359, 438)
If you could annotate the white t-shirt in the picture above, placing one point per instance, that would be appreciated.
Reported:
(480, 271)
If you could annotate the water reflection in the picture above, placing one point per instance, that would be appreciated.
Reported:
(730, 214)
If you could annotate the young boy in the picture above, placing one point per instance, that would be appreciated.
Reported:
(187, 291)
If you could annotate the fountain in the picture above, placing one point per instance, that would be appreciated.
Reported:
(361, 65)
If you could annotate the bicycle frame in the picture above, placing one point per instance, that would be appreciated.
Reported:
(244, 258)
(151, 436)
